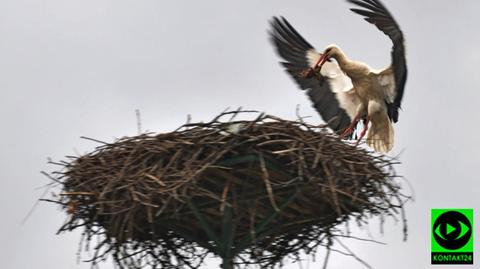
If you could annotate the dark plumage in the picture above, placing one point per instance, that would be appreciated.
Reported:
(293, 48)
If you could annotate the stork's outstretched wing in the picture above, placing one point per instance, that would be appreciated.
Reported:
(334, 105)
(376, 13)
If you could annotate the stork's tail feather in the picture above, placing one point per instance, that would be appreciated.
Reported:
(380, 135)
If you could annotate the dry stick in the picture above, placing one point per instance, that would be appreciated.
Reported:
(266, 180)
(224, 196)
(94, 140)
(253, 215)
(359, 239)
(30, 212)
(234, 115)
(139, 121)
(78, 193)
(156, 179)
(333, 190)
(318, 154)
(297, 113)
(329, 244)
(352, 254)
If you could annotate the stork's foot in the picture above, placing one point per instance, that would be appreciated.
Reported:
(351, 128)
(364, 131)
(349, 131)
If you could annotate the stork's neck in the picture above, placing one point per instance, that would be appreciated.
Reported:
(352, 68)
(341, 58)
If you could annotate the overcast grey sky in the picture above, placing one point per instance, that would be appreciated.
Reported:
(73, 68)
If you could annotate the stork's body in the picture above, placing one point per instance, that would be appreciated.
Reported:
(367, 96)
(345, 91)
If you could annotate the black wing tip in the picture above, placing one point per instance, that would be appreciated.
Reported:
(375, 3)
(275, 19)
(290, 45)
(360, 12)
(279, 21)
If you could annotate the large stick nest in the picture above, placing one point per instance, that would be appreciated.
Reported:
(252, 191)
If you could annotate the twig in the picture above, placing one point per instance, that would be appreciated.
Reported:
(139, 121)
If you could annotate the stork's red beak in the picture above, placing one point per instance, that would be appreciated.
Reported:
(323, 58)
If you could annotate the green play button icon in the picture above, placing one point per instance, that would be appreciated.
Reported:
(450, 228)
(452, 236)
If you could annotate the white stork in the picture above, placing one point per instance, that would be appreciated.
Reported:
(345, 91)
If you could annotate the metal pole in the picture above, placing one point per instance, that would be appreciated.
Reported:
(227, 263)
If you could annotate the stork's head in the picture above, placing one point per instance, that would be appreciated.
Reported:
(331, 51)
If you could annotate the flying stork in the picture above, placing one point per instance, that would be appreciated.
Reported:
(343, 91)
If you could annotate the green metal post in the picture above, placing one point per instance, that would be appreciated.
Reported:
(227, 263)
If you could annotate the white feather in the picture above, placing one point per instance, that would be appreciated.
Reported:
(234, 128)
(350, 102)
(380, 134)
(386, 80)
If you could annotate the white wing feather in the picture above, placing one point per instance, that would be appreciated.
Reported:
(386, 80)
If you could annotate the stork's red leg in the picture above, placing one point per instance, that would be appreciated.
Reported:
(350, 128)
(364, 131)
